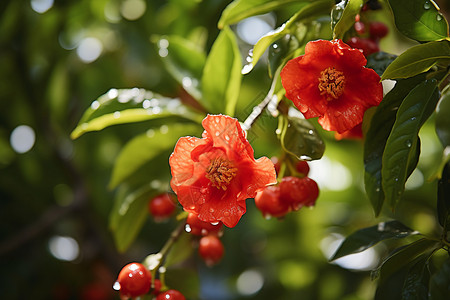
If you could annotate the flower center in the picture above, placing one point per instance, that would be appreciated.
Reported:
(331, 83)
(220, 172)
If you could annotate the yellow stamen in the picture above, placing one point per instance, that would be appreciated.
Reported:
(220, 172)
(331, 83)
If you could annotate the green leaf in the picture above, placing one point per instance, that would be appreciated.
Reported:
(403, 256)
(418, 59)
(379, 61)
(184, 60)
(368, 237)
(307, 12)
(184, 280)
(400, 156)
(146, 147)
(442, 121)
(415, 286)
(129, 214)
(128, 106)
(419, 19)
(347, 19)
(299, 138)
(279, 52)
(440, 282)
(443, 201)
(241, 9)
(377, 135)
(221, 78)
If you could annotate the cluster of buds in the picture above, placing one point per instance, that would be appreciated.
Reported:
(290, 194)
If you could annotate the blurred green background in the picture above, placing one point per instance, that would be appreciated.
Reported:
(56, 57)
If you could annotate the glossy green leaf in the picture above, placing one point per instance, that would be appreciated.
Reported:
(128, 106)
(416, 282)
(316, 8)
(299, 138)
(184, 280)
(402, 257)
(221, 78)
(146, 147)
(184, 60)
(419, 19)
(379, 61)
(440, 282)
(377, 135)
(347, 19)
(401, 152)
(443, 201)
(368, 237)
(279, 51)
(442, 120)
(241, 9)
(418, 59)
(129, 214)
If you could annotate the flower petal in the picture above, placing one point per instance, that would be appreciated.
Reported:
(226, 133)
(182, 165)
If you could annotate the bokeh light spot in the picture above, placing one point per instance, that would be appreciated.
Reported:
(249, 282)
(41, 6)
(133, 9)
(252, 29)
(64, 248)
(330, 174)
(89, 49)
(22, 139)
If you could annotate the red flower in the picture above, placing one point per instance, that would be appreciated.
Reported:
(331, 82)
(355, 133)
(214, 175)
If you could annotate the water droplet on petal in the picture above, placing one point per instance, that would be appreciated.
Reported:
(214, 223)
(187, 228)
(116, 286)
(211, 210)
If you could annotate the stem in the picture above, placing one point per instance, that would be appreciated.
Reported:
(257, 110)
(171, 241)
(154, 261)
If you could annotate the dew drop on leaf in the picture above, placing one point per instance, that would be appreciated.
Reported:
(408, 143)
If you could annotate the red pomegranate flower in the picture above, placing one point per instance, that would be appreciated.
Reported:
(214, 175)
(331, 82)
